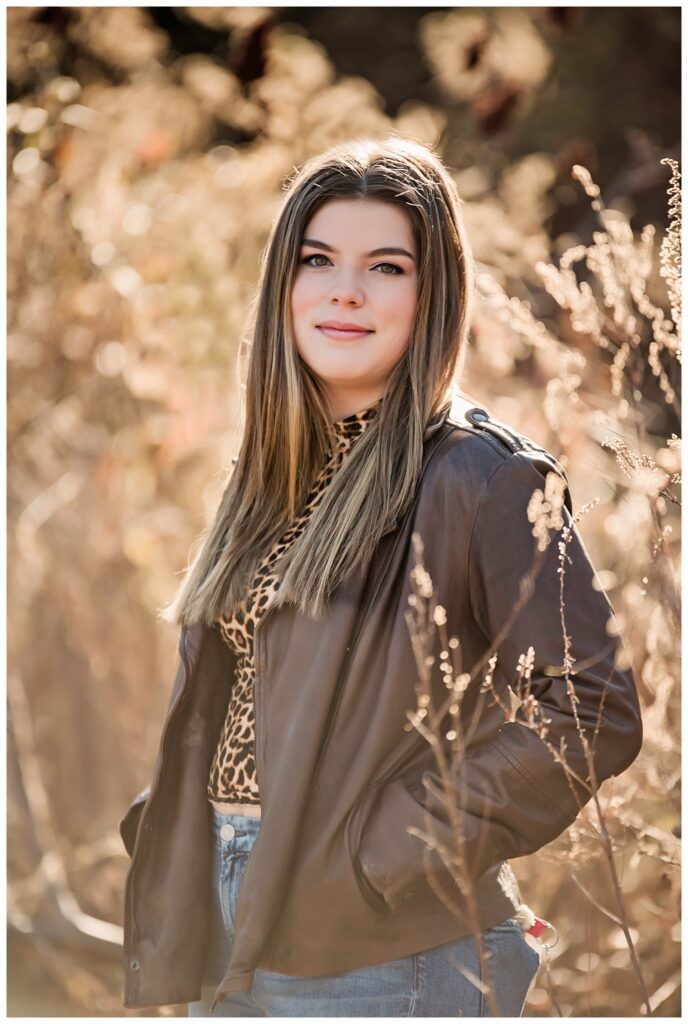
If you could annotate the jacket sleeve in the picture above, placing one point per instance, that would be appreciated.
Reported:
(512, 795)
(128, 826)
(540, 801)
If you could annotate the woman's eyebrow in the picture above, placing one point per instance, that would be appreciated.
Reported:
(388, 250)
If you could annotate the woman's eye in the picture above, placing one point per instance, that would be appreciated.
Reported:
(320, 256)
(314, 256)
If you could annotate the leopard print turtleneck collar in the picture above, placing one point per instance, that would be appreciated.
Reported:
(233, 771)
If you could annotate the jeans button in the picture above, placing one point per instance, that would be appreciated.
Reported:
(227, 831)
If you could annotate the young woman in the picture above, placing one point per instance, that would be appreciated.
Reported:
(275, 867)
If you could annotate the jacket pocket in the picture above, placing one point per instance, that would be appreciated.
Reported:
(373, 897)
(390, 859)
(129, 825)
(358, 818)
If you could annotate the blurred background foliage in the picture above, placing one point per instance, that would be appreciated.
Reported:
(147, 148)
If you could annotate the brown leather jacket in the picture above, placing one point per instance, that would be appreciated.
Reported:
(334, 881)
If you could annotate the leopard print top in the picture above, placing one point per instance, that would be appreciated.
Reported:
(233, 771)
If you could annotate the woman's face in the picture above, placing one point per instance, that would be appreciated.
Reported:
(357, 267)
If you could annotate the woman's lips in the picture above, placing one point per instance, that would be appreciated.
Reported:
(335, 332)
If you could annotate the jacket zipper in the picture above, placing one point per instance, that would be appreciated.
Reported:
(377, 584)
(256, 689)
(144, 813)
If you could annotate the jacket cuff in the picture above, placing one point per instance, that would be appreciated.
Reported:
(128, 826)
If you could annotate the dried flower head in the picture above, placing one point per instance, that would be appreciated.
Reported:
(422, 581)
(545, 508)
(440, 616)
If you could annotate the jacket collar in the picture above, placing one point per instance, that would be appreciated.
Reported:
(455, 411)
(436, 422)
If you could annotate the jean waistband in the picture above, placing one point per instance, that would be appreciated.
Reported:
(234, 831)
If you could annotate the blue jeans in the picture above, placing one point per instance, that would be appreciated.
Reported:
(425, 984)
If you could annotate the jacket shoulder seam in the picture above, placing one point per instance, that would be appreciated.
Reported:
(507, 457)
(467, 415)
(477, 432)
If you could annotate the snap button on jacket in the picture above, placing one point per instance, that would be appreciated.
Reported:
(334, 880)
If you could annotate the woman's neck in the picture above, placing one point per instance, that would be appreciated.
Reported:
(359, 408)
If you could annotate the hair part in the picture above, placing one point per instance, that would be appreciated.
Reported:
(287, 430)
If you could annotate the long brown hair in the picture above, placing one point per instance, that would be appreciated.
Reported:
(287, 430)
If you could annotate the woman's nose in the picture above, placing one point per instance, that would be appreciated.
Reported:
(347, 287)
